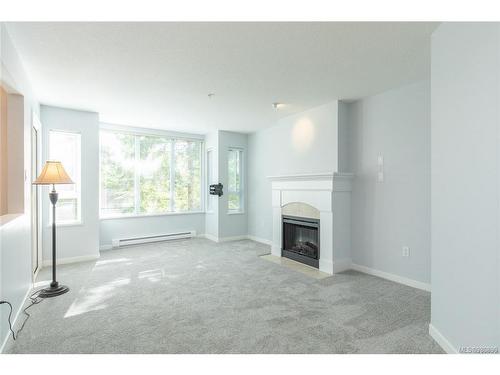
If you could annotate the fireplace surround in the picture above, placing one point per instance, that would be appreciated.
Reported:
(324, 197)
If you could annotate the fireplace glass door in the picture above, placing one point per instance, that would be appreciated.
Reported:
(301, 240)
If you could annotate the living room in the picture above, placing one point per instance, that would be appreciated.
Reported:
(249, 187)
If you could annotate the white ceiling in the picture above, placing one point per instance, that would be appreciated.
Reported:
(159, 74)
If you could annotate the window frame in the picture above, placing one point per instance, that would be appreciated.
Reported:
(209, 168)
(172, 137)
(241, 192)
(76, 179)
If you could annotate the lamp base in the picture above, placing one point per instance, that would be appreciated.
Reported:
(53, 290)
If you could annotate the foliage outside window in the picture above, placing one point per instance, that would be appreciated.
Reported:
(66, 148)
(149, 174)
(235, 180)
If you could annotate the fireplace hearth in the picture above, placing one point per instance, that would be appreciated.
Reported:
(301, 240)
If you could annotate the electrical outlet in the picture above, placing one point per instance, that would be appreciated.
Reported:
(380, 168)
(406, 251)
(380, 177)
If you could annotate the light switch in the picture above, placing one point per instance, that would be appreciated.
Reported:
(380, 165)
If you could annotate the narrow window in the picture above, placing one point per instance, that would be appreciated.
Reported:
(66, 148)
(235, 180)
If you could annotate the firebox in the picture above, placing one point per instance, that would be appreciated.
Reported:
(301, 240)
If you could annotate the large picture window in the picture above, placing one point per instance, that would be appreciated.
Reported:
(66, 148)
(149, 174)
(235, 180)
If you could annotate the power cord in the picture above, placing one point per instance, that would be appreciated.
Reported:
(35, 300)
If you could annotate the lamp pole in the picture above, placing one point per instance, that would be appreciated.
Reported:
(55, 289)
(53, 199)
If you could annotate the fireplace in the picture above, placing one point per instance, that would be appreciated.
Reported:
(301, 240)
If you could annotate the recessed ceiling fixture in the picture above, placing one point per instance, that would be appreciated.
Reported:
(277, 105)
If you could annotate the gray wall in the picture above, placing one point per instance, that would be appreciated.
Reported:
(396, 212)
(79, 240)
(465, 183)
(344, 138)
(302, 143)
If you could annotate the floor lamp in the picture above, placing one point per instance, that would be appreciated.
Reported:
(53, 173)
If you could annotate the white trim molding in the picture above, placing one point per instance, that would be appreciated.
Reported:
(302, 177)
(341, 265)
(260, 240)
(234, 238)
(210, 237)
(83, 258)
(443, 342)
(392, 277)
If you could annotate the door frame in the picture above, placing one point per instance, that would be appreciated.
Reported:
(36, 126)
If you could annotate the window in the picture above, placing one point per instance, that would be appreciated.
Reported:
(235, 180)
(149, 174)
(65, 147)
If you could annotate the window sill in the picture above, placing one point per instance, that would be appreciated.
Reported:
(236, 212)
(7, 218)
(150, 215)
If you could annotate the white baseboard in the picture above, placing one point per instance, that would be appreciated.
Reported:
(392, 277)
(16, 316)
(276, 250)
(234, 238)
(83, 258)
(441, 340)
(342, 265)
(326, 266)
(210, 237)
(260, 240)
(105, 247)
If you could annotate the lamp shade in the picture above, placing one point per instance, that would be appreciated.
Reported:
(53, 173)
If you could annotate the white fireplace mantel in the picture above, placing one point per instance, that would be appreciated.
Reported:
(330, 194)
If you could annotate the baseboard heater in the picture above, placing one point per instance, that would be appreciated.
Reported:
(156, 238)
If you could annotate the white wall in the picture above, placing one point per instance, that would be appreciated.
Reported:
(465, 184)
(396, 212)
(15, 232)
(80, 240)
(302, 143)
(152, 225)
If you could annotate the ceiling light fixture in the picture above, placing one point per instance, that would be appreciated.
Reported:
(211, 95)
(277, 105)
